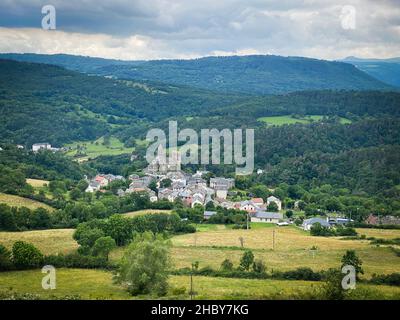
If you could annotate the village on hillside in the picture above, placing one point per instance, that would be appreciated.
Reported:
(172, 183)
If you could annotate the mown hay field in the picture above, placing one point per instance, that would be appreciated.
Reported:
(50, 241)
(292, 249)
(37, 183)
(16, 201)
(143, 212)
(380, 233)
(98, 284)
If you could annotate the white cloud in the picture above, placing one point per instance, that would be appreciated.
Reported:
(150, 29)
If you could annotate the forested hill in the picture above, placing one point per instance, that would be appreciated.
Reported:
(386, 70)
(40, 102)
(262, 74)
(71, 62)
(251, 74)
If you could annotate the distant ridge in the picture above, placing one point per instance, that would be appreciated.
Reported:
(386, 70)
(256, 74)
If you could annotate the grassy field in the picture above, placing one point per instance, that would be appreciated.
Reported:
(36, 183)
(282, 120)
(214, 243)
(379, 233)
(210, 246)
(143, 212)
(292, 249)
(16, 201)
(97, 284)
(88, 284)
(97, 148)
(48, 241)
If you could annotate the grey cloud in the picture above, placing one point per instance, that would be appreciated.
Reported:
(193, 28)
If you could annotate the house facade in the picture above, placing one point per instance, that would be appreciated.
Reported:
(266, 217)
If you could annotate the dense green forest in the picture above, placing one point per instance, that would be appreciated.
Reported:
(40, 102)
(262, 74)
(386, 70)
(251, 74)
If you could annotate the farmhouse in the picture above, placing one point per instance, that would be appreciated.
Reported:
(266, 217)
(248, 206)
(93, 186)
(334, 221)
(308, 223)
(41, 146)
(276, 201)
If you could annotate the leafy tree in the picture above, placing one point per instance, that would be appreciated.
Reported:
(165, 183)
(227, 265)
(247, 260)
(7, 218)
(86, 236)
(5, 259)
(273, 207)
(351, 258)
(318, 230)
(75, 194)
(119, 229)
(332, 288)
(103, 246)
(144, 266)
(289, 214)
(26, 255)
(259, 266)
(153, 185)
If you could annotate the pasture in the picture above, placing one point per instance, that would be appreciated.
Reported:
(37, 183)
(143, 212)
(50, 241)
(210, 246)
(292, 249)
(282, 120)
(96, 148)
(16, 201)
(97, 284)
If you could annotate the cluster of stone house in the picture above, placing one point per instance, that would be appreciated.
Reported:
(193, 189)
(139, 184)
(43, 146)
(101, 181)
(255, 207)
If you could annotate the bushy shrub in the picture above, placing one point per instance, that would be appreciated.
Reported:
(392, 279)
(298, 274)
(259, 266)
(26, 255)
(76, 260)
(226, 265)
(5, 259)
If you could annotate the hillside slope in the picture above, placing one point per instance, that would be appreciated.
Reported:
(40, 102)
(262, 74)
(386, 70)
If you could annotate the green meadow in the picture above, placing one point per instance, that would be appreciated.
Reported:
(282, 120)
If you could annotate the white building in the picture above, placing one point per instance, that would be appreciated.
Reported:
(266, 217)
(308, 223)
(41, 146)
(276, 201)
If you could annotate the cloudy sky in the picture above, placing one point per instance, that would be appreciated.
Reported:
(152, 29)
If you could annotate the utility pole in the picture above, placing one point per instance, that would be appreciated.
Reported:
(247, 221)
(191, 285)
(273, 239)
